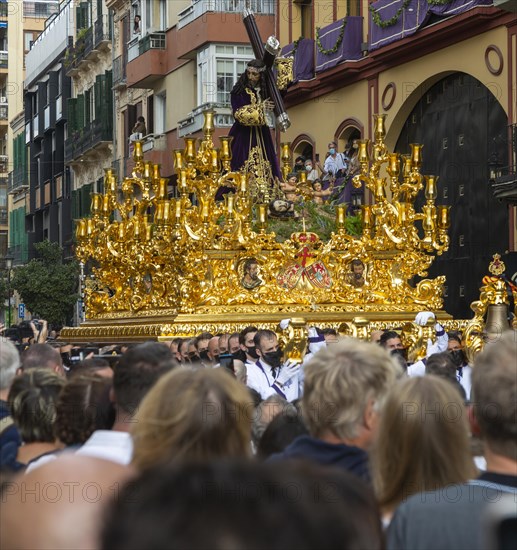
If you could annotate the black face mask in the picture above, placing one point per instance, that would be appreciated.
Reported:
(252, 352)
(273, 358)
(458, 357)
(203, 355)
(216, 358)
(240, 355)
(193, 357)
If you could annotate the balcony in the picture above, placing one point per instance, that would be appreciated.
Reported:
(4, 114)
(193, 123)
(119, 72)
(90, 140)
(77, 56)
(102, 32)
(4, 160)
(216, 27)
(151, 63)
(200, 7)
(17, 181)
(3, 59)
(39, 10)
(3, 215)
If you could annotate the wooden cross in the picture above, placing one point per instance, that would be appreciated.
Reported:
(267, 54)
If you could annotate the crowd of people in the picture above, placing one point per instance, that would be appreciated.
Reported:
(220, 441)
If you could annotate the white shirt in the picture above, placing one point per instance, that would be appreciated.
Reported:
(260, 378)
(332, 165)
(465, 379)
(109, 445)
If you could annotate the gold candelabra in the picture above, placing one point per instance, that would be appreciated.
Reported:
(151, 255)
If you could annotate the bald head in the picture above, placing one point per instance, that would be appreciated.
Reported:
(60, 504)
(213, 349)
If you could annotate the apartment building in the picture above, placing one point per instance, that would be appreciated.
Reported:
(89, 138)
(46, 92)
(180, 60)
(25, 20)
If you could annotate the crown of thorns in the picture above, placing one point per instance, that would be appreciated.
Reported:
(258, 69)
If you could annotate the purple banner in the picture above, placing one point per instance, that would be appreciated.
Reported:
(411, 18)
(348, 50)
(303, 59)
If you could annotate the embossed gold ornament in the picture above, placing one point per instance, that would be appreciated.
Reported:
(181, 258)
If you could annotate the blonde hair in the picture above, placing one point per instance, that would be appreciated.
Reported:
(32, 401)
(422, 442)
(340, 380)
(195, 415)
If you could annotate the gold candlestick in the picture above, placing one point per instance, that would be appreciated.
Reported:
(430, 188)
(158, 213)
(393, 167)
(208, 126)
(138, 155)
(166, 211)
(340, 216)
(262, 217)
(156, 172)
(96, 203)
(379, 127)
(190, 150)
(362, 154)
(178, 159)
(226, 147)
(416, 154)
(443, 217)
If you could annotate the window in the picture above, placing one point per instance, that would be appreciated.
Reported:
(219, 67)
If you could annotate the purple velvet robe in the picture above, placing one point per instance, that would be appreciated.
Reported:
(245, 137)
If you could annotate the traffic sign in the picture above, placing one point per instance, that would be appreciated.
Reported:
(21, 311)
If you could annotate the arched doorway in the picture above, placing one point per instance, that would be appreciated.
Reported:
(461, 125)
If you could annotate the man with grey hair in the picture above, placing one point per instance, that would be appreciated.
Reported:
(9, 437)
(345, 388)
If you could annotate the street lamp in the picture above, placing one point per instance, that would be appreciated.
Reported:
(8, 260)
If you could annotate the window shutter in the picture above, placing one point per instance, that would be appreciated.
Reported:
(79, 112)
(71, 117)
(99, 99)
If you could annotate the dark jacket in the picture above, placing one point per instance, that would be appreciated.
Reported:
(352, 459)
(10, 439)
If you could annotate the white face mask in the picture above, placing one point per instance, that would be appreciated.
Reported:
(308, 167)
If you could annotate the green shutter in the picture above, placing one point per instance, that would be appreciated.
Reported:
(108, 94)
(79, 112)
(71, 117)
(87, 107)
(99, 100)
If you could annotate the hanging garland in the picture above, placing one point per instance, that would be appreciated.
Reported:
(392, 20)
(321, 49)
(438, 2)
(295, 46)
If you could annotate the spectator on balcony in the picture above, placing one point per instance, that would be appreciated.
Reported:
(139, 129)
(136, 24)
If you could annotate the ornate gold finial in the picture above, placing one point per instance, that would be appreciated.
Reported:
(496, 266)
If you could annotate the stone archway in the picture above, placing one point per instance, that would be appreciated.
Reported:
(461, 124)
